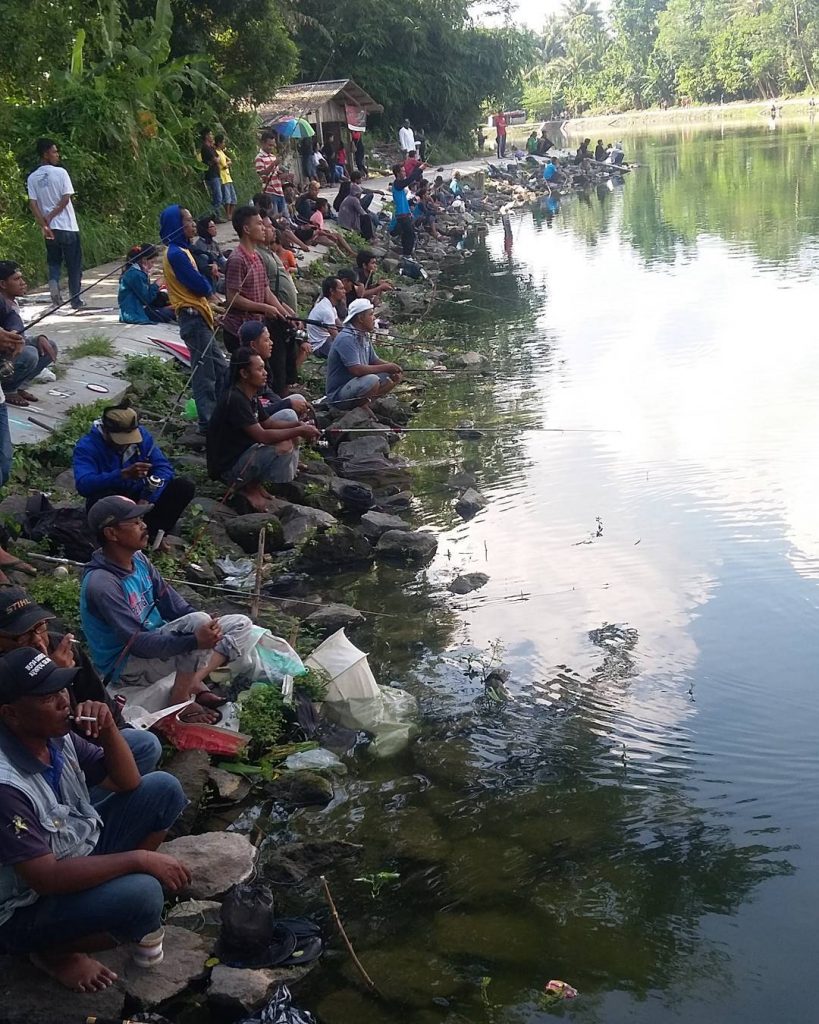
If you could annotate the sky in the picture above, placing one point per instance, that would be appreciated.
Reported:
(531, 13)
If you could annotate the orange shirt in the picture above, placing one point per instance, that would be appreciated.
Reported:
(289, 260)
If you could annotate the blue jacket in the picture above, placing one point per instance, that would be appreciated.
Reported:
(136, 292)
(171, 233)
(98, 465)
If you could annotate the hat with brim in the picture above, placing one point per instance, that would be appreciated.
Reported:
(122, 426)
(18, 612)
(293, 941)
(28, 672)
(356, 307)
(114, 509)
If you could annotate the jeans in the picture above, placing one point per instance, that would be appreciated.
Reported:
(501, 146)
(6, 447)
(26, 367)
(279, 204)
(228, 193)
(147, 751)
(210, 368)
(237, 640)
(357, 388)
(126, 908)
(214, 186)
(65, 245)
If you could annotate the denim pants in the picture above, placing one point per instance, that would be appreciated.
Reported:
(357, 388)
(210, 368)
(214, 186)
(128, 907)
(26, 367)
(147, 750)
(65, 245)
(6, 448)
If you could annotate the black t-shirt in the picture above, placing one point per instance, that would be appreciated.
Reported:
(226, 437)
(210, 160)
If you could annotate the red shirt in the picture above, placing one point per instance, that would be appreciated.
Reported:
(500, 124)
(244, 265)
(267, 169)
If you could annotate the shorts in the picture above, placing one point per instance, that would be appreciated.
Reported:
(228, 193)
(357, 388)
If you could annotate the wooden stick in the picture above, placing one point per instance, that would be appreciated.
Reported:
(257, 590)
(356, 962)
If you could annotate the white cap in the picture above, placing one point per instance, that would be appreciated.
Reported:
(357, 306)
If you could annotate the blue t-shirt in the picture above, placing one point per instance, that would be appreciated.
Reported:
(549, 171)
(350, 348)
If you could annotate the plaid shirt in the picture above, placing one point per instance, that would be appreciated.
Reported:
(267, 169)
(244, 265)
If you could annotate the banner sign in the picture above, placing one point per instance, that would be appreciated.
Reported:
(356, 118)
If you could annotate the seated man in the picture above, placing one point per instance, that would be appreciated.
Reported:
(36, 353)
(23, 623)
(256, 337)
(75, 879)
(367, 264)
(138, 628)
(246, 445)
(552, 174)
(323, 320)
(355, 374)
(118, 456)
(352, 290)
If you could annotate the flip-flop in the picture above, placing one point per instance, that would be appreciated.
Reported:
(17, 401)
(27, 395)
(210, 700)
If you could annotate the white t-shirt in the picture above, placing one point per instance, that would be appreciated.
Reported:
(406, 140)
(47, 186)
(325, 311)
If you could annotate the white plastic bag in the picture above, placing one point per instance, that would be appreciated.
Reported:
(270, 660)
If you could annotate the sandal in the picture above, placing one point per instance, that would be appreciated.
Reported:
(210, 700)
(17, 400)
(27, 395)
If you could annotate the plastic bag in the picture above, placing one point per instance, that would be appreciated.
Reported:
(269, 660)
(248, 916)
(391, 718)
(198, 736)
(315, 760)
(280, 1010)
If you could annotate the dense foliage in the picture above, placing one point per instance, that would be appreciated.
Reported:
(672, 51)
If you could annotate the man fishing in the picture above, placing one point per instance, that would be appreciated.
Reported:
(355, 373)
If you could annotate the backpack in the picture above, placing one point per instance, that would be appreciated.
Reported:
(66, 529)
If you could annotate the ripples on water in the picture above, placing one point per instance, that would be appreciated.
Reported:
(639, 818)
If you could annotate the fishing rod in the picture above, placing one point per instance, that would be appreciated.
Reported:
(381, 338)
(468, 428)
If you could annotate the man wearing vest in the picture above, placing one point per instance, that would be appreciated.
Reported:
(188, 292)
(75, 879)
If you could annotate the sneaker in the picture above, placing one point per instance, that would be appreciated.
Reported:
(54, 292)
(46, 376)
(79, 304)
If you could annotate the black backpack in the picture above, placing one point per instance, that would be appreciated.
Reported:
(65, 529)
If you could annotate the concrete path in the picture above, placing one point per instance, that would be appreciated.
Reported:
(69, 328)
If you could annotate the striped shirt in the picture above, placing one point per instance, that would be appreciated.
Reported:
(244, 265)
(267, 169)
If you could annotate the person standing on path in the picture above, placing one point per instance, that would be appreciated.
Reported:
(406, 138)
(50, 194)
(226, 178)
(189, 292)
(267, 167)
(500, 128)
(360, 160)
(213, 178)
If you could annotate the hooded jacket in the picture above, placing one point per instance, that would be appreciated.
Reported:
(119, 604)
(98, 466)
(187, 288)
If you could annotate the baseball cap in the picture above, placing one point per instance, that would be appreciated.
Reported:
(122, 425)
(114, 509)
(357, 306)
(28, 672)
(18, 612)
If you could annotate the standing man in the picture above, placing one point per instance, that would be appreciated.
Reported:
(267, 167)
(49, 194)
(247, 288)
(406, 138)
(500, 128)
(360, 159)
(225, 177)
(213, 174)
(36, 353)
(355, 374)
(189, 292)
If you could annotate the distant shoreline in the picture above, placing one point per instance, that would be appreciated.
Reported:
(756, 112)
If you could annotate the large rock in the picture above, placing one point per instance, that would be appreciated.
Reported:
(294, 862)
(301, 789)
(364, 444)
(374, 524)
(357, 419)
(244, 530)
(242, 990)
(332, 617)
(353, 494)
(212, 507)
(377, 470)
(228, 786)
(461, 481)
(407, 548)
(334, 551)
(191, 768)
(196, 914)
(301, 520)
(397, 502)
(217, 860)
(65, 481)
(466, 360)
(470, 503)
(184, 963)
(391, 409)
(468, 582)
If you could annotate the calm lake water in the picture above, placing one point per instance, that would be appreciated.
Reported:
(640, 819)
